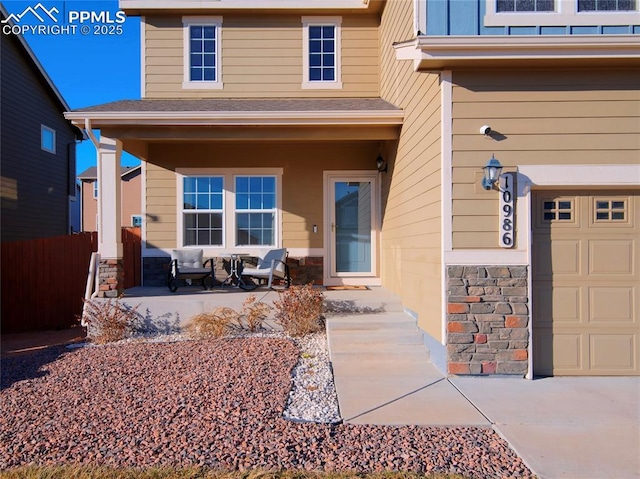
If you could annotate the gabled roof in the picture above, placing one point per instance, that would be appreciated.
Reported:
(91, 173)
(276, 111)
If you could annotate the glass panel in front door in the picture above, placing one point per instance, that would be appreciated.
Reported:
(353, 226)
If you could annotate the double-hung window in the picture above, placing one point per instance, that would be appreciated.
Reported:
(255, 210)
(203, 210)
(229, 209)
(321, 52)
(202, 38)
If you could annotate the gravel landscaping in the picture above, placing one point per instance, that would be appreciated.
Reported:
(216, 403)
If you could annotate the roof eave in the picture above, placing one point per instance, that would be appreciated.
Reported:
(226, 118)
(459, 51)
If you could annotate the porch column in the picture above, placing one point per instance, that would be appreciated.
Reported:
(111, 270)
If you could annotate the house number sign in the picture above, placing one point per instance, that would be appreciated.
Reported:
(507, 210)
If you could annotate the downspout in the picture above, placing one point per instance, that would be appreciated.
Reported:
(95, 257)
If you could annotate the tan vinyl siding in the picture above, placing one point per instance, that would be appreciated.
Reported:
(261, 57)
(131, 197)
(302, 181)
(411, 211)
(539, 117)
(89, 207)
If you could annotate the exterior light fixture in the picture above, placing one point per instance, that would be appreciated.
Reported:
(492, 171)
(381, 165)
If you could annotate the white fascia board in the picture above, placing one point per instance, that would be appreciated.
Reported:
(490, 47)
(382, 117)
(243, 4)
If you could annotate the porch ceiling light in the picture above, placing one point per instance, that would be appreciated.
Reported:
(492, 171)
(381, 165)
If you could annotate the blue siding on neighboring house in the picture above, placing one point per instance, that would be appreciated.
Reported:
(466, 17)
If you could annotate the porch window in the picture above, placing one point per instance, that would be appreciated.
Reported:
(322, 44)
(255, 210)
(203, 212)
(229, 209)
(202, 52)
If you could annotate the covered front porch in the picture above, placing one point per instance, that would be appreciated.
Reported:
(246, 176)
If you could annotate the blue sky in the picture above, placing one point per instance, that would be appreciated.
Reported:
(88, 69)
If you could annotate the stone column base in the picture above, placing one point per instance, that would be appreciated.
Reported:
(110, 278)
(487, 320)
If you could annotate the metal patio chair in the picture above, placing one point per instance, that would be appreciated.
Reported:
(186, 264)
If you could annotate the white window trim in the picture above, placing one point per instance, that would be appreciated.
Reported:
(187, 22)
(94, 188)
(46, 129)
(566, 14)
(229, 210)
(321, 85)
(181, 210)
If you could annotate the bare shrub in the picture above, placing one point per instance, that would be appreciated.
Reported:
(253, 313)
(108, 320)
(212, 325)
(299, 309)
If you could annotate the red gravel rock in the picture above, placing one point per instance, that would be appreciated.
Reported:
(209, 403)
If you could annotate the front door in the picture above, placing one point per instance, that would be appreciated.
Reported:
(352, 230)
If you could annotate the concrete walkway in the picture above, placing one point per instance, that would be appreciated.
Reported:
(561, 427)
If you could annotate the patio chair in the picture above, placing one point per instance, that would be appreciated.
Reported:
(272, 265)
(186, 264)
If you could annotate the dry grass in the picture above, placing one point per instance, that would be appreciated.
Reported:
(299, 309)
(212, 325)
(253, 313)
(88, 472)
(108, 320)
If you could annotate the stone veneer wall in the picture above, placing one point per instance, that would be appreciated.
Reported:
(302, 270)
(487, 320)
(110, 278)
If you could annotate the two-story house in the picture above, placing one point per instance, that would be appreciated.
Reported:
(130, 203)
(37, 146)
(354, 133)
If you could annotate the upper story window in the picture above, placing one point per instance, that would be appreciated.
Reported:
(202, 39)
(321, 51)
(606, 5)
(47, 139)
(527, 13)
(525, 6)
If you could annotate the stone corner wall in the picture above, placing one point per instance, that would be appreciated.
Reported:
(487, 320)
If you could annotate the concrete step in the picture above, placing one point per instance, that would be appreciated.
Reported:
(367, 322)
(362, 306)
(341, 339)
(388, 352)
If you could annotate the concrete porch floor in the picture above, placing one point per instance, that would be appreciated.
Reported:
(164, 311)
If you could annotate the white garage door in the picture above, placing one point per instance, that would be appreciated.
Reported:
(586, 286)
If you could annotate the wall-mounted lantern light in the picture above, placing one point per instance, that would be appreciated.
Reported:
(381, 165)
(492, 171)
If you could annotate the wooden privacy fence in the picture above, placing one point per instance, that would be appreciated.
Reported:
(43, 280)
